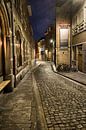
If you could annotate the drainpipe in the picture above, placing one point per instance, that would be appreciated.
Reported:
(71, 16)
(70, 46)
(55, 53)
(70, 40)
(13, 44)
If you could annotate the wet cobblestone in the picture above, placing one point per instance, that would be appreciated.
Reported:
(64, 106)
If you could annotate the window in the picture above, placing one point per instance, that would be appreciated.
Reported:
(17, 5)
(74, 21)
(80, 16)
(74, 53)
(64, 32)
(24, 50)
(18, 49)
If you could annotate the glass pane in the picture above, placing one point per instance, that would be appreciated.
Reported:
(64, 38)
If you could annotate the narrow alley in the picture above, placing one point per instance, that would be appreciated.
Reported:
(63, 105)
(43, 65)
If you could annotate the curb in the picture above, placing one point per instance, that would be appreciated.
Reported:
(64, 76)
(39, 106)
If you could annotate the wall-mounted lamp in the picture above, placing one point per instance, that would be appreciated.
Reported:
(51, 40)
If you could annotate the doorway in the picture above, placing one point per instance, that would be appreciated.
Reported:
(80, 58)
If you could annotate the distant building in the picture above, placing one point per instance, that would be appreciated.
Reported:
(50, 42)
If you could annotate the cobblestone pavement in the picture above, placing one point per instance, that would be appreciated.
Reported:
(64, 106)
(18, 109)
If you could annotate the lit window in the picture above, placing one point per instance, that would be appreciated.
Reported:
(64, 38)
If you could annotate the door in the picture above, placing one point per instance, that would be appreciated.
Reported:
(80, 58)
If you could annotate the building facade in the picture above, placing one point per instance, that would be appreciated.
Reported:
(63, 33)
(79, 38)
(71, 34)
(16, 43)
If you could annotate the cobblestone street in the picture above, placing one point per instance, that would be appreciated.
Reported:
(64, 106)
(42, 101)
(43, 65)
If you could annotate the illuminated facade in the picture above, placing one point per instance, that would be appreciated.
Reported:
(63, 39)
(79, 38)
(16, 42)
(71, 34)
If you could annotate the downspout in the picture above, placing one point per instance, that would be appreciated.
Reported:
(70, 45)
(55, 53)
(70, 39)
(55, 46)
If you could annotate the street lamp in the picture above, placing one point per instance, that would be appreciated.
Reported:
(54, 50)
(52, 41)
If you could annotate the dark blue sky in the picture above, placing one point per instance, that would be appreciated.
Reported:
(43, 15)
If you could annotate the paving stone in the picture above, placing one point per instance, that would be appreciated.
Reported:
(56, 127)
(79, 126)
(51, 128)
(17, 107)
(65, 104)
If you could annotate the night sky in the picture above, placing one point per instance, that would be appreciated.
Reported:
(43, 15)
